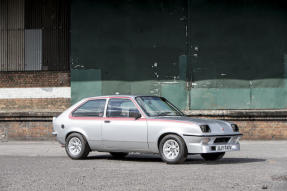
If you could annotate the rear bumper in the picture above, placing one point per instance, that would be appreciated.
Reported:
(61, 140)
(207, 144)
(54, 133)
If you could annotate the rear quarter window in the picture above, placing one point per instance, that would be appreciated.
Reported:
(91, 108)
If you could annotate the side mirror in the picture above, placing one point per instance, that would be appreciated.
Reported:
(136, 115)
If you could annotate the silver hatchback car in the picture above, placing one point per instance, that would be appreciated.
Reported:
(147, 124)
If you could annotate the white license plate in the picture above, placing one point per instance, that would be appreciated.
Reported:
(223, 148)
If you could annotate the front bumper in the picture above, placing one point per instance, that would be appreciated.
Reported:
(207, 144)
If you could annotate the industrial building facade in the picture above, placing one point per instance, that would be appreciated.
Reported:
(220, 59)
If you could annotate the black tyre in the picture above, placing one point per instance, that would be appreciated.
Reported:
(118, 154)
(76, 146)
(172, 149)
(212, 156)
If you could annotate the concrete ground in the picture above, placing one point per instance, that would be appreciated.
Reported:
(260, 165)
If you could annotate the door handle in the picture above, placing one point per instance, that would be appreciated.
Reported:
(107, 121)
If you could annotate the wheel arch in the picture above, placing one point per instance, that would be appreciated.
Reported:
(168, 133)
(74, 131)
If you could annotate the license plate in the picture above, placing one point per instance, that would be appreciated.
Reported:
(223, 148)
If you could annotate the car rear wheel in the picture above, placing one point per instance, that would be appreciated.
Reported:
(212, 156)
(172, 149)
(118, 154)
(77, 146)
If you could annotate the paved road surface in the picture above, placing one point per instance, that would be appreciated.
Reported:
(260, 165)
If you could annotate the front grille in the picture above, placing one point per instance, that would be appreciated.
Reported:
(222, 140)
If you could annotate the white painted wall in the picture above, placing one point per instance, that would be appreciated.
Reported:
(45, 92)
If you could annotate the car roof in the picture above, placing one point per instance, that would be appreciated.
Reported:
(119, 96)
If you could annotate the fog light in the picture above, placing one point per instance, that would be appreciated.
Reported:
(205, 140)
(235, 140)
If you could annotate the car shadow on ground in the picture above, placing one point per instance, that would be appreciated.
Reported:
(194, 159)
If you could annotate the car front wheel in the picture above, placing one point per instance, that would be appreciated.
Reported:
(172, 149)
(76, 146)
(212, 156)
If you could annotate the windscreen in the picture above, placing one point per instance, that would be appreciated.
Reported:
(157, 106)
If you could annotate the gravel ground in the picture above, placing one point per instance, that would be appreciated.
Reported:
(260, 165)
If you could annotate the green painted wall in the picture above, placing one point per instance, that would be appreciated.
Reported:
(233, 52)
(138, 46)
(239, 55)
(85, 83)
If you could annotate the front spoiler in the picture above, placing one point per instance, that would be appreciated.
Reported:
(214, 135)
(196, 143)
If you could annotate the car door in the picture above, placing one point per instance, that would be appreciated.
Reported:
(121, 130)
(88, 119)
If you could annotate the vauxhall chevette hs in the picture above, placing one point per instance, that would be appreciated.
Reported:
(146, 124)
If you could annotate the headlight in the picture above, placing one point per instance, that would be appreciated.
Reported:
(205, 128)
(235, 127)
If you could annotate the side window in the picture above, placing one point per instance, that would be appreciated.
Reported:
(121, 108)
(92, 108)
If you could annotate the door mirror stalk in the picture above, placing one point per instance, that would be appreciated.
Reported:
(137, 115)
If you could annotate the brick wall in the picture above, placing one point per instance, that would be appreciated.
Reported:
(263, 130)
(27, 125)
(31, 118)
(254, 124)
(39, 79)
(34, 79)
(27, 130)
(38, 126)
(46, 104)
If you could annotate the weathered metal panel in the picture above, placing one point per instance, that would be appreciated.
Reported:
(3, 50)
(16, 50)
(237, 50)
(136, 44)
(175, 91)
(16, 15)
(237, 54)
(85, 83)
(3, 14)
(52, 17)
(220, 98)
(263, 98)
(3, 34)
(12, 35)
(33, 14)
(33, 49)
(51, 49)
(56, 49)
(56, 35)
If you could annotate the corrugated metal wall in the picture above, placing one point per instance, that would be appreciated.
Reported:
(33, 49)
(3, 50)
(34, 35)
(12, 35)
(3, 34)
